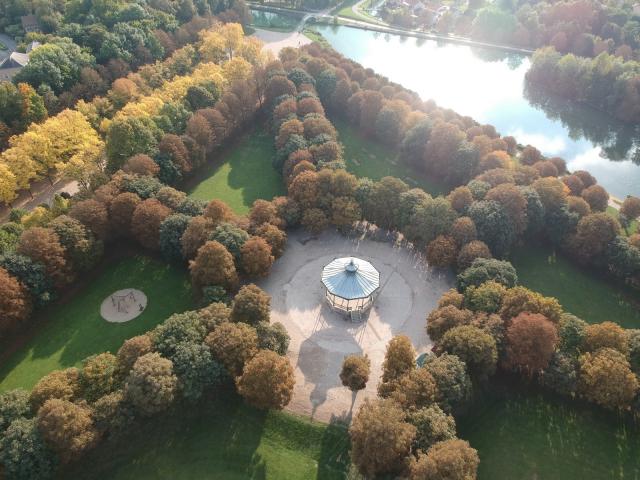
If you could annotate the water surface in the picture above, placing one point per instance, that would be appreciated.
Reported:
(489, 86)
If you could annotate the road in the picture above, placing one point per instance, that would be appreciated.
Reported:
(9, 43)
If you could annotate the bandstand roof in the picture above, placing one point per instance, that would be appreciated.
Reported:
(350, 278)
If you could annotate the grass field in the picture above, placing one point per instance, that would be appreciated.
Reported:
(221, 439)
(530, 436)
(74, 329)
(368, 158)
(633, 227)
(243, 174)
(589, 295)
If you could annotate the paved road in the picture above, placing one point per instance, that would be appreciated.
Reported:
(9, 43)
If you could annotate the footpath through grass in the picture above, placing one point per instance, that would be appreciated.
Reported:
(530, 436)
(243, 174)
(221, 439)
(587, 294)
(368, 158)
(72, 330)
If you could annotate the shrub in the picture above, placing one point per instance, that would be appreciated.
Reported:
(267, 381)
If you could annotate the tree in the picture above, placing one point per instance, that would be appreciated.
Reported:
(31, 274)
(132, 349)
(251, 305)
(453, 384)
(561, 375)
(141, 164)
(218, 212)
(630, 208)
(273, 337)
(177, 329)
(56, 64)
(447, 460)
(513, 202)
(607, 379)
(442, 319)
(42, 245)
(8, 185)
(62, 384)
(432, 425)
(460, 199)
(594, 233)
(487, 297)
(520, 299)
(146, 221)
(605, 335)
(531, 341)
(463, 231)
(551, 192)
(128, 136)
(380, 437)
(398, 359)
(195, 236)
(413, 390)
(170, 235)
(276, 238)
(196, 369)
(151, 384)
(15, 304)
(233, 344)
(494, 225)
(67, 428)
(483, 269)
(442, 251)
(314, 220)
(232, 237)
(474, 347)
(355, 372)
(470, 251)
(213, 265)
(23, 453)
(93, 215)
(267, 381)
(597, 198)
(98, 376)
(81, 248)
(256, 257)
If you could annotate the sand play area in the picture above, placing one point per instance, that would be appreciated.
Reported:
(123, 305)
(320, 337)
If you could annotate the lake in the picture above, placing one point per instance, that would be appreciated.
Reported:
(489, 86)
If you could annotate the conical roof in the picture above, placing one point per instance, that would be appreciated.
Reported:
(350, 278)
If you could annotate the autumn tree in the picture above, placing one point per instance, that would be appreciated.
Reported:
(43, 245)
(413, 390)
(251, 305)
(233, 344)
(267, 381)
(15, 301)
(213, 265)
(443, 319)
(98, 376)
(67, 428)
(470, 252)
(61, 384)
(531, 341)
(94, 215)
(453, 383)
(141, 164)
(23, 452)
(196, 235)
(256, 257)
(151, 384)
(432, 425)
(276, 238)
(398, 359)
(380, 437)
(597, 198)
(593, 234)
(355, 372)
(605, 335)
(607, 379)
(447, 460)
(146, 221)
(132, 349)
(474, 347)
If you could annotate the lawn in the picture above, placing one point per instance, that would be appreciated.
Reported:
(531, 436)
(368, 158)
(589, 295)
(633, 227)
(221, 439)
(72, 330)
(243, 174)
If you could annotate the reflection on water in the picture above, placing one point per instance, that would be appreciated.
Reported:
(489, 86)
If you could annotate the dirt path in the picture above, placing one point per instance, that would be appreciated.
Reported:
(43, 192)
(276, 41)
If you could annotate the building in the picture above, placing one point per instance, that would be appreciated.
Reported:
(14, 62)
(30, 23)
(12, 65)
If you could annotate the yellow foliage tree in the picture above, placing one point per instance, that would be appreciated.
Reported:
(8, 185)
